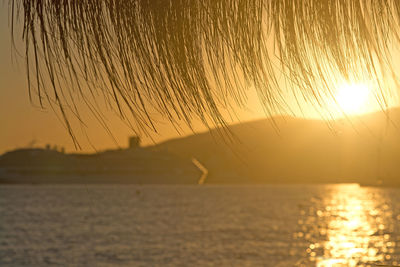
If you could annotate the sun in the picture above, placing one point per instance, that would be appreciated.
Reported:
(353, 98)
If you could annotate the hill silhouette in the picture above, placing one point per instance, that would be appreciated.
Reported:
(133, 165)
(363, 149)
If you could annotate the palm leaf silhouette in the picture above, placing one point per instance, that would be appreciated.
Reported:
(190, 59)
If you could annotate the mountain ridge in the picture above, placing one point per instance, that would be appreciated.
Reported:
(286, 149)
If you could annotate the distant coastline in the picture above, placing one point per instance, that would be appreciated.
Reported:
(134, 165)
(301, 151)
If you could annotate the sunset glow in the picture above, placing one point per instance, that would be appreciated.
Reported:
(200, 133)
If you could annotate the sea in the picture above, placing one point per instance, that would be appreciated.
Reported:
(208, 225)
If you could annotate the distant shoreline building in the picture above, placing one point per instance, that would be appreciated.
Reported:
(134, 142)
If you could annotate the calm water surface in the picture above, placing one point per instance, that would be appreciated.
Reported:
(327, 225)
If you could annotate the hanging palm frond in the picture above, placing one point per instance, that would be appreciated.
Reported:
(189, 59)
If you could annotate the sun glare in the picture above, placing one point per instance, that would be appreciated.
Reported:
(353, 98)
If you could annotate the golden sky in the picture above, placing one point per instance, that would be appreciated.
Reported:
(24, 124)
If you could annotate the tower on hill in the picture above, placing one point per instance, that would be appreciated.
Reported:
(134, 142)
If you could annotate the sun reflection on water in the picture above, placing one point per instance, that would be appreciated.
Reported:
(351, 230)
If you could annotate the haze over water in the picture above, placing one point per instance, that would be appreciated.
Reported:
(319, 225)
